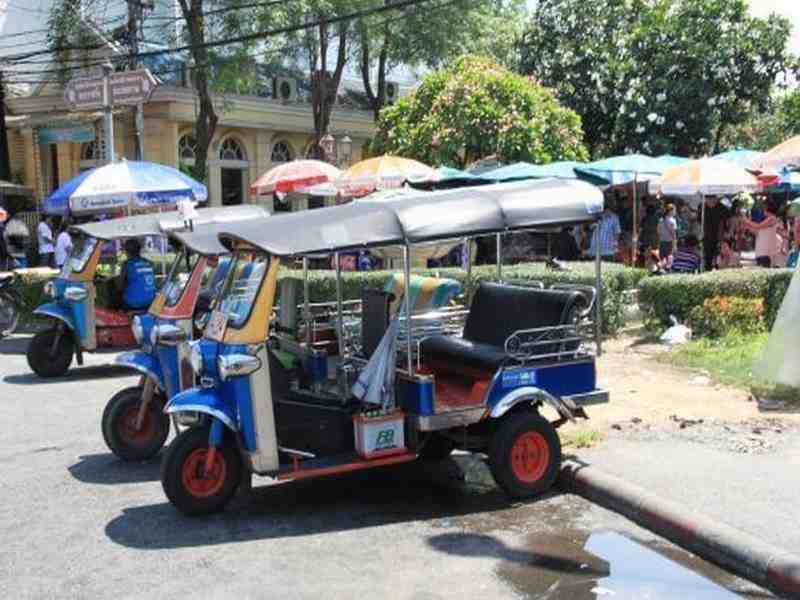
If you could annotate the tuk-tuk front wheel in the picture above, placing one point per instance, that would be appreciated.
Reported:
(525, 455)
(50, 353)
(120, 431)
(189, 483)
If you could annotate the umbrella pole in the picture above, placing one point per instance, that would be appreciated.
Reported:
(598, 302)
(635, 233)
(702, 233)
(499, 243)
(468, 255)
(339, 311)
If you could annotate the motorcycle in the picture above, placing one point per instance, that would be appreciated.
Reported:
(11, 305)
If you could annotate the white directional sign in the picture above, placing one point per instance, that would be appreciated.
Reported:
(127, 88)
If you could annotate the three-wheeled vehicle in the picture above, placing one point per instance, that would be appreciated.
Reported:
(520, 348)
(134, 424)
(78, 325)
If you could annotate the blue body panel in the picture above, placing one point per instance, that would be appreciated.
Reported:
(74, 314)
(144, 362)
(560, 379)
(204, 400)
(416, 396)
(167, 358)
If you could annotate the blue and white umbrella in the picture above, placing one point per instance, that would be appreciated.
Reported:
(129, 185)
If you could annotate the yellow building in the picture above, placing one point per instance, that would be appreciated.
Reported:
(49, 145)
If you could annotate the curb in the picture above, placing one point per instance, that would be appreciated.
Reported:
(725, 546)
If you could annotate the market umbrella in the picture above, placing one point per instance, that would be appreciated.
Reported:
(704, 177)
(744, 159)
(786, 154)
(297, 175)
(452, 178)
(129, 185)
(565, 169)
(382, 173)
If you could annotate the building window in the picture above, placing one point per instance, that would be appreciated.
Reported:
(187, 150)
(281, 152)
(91, 156)
(231, 149)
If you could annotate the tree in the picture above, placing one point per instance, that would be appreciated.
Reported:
(477, 108)
(764, 130)
(430, 36)
(662, 76)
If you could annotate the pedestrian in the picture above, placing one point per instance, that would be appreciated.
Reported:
(687, 258)
(766, 232)
(63, 245)
(16, 237)
(44, 237)
(667, 232)
(713, 226)
(606, 236)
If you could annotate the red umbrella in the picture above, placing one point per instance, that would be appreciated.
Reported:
(294, 176)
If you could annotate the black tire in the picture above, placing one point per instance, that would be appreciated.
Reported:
(525, 455)
(9, 314)
(186, 451)
(40, 359)
(119, 425)
(437, 447)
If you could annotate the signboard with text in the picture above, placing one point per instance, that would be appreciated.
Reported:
(126, 88)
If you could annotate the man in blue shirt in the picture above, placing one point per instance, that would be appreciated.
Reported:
(137, 282)
(609, 231)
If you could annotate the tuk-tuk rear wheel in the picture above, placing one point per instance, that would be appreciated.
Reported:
(120, 433)
(186, 482)
(47, 360)
(525, 454)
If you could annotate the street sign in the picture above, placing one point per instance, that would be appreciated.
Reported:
(83, 94)
(132, 87)
(127, 88)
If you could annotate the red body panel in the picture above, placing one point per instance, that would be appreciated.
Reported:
(114, 328)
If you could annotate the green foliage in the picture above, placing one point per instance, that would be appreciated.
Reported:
(662, 76)
(721, 315)
(764, 130)
(678, 294)
(474, 109)
(728, 360)
(616, 279)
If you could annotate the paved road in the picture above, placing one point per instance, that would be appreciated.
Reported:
(77, 523)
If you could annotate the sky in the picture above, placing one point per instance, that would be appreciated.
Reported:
(787, 8)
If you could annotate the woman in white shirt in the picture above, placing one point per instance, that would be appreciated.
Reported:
(766, 233)
(63, 245)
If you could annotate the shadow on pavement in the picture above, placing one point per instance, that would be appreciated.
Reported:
(74, 374)
(110, 470)
(14, 345)
(404, 493)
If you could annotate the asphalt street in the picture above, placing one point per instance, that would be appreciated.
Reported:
(77, 523)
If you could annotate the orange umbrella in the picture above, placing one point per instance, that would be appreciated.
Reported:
(704, 177)
(294, 176)
(382, 173)
(786, 154)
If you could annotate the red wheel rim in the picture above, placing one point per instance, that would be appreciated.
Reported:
(127, 426)
(196, 480)
(530, 456)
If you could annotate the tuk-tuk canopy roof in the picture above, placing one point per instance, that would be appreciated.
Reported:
(424, 217)
(165, 222)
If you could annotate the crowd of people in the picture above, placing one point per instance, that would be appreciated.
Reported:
(674, 237)
(53, 244)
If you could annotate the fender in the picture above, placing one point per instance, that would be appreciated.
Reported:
(531, 394)
(143, 362)
(204, 400)
(56, 311)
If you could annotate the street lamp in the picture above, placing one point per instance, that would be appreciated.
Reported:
(346, 149)
(337, 152)
(328, 145)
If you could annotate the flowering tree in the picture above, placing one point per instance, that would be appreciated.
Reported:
(667, 76)
(474, 109)
(765, 130)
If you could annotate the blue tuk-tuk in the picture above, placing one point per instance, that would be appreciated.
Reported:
(134, 425)
(416, 385)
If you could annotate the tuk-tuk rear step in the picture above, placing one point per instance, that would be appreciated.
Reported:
(345, 463)
(450, 419)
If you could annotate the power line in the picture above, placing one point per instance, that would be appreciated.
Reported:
(236, 39)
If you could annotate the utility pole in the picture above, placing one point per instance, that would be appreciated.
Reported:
(108, 112)
(134, 18)
(5, 162)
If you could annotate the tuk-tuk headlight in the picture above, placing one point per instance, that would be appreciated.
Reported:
(76, 294)
(138, 329)
(236, 365)
(196, 357)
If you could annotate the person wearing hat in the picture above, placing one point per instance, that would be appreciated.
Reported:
(137, 279)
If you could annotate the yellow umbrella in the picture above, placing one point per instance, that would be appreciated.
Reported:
(383, 173)
(704, 177)
(786, 154)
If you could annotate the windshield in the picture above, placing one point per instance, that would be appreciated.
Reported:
(241, 289)
(179, 275)
(79, 257)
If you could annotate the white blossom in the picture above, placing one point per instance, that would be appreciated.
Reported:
(680, 125)
(652, 117)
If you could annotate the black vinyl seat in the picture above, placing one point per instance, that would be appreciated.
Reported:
(497, 311)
